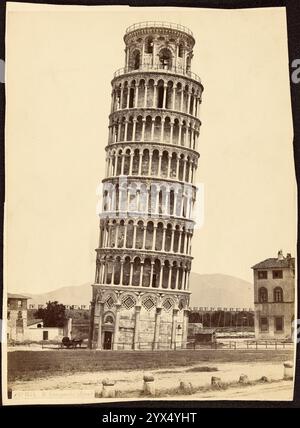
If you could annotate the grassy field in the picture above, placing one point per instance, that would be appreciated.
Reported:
(28, 365)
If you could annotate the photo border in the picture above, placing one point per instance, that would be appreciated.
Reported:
(141, 407)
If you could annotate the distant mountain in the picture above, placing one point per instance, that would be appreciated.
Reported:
(221, 291)
(213, 290)
(73, 295)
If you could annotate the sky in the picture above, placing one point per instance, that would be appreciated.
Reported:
(59, 64)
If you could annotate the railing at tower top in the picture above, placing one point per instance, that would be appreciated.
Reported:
(157, 67)
(158, 24)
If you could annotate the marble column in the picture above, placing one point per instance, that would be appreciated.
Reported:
(173, 98)
(163, 239)
(131, 163)
(179, 133)
(121, 99)
(126, 128)
(179, 242)
(136, 95)
(116, 327)
(185, 327)
(99, 340)
(113, 274)
(122, 163)
(174, 328)
(157, 328)
(189, 102)
(165, 96)
(171, 132)
(154, 96)
(154, 237)
(136, 328)
(91, 329)
(97, 275)
(150, 163)
(119, 132)
(172, 239)
(131, 272)
(169, 165)
(143, 129)
(194, 106)
(161, 274)
(133, 129)
(106, 166)
(128, 95)
(162, 129)
(152, 128)
(181, 100)
(177, 278)
(170, 277)
(134, 236)
(177, 167)
(121, 273)
(125, 236)
(102, 278)
(145, 96)
(184, 170)
(141, 273)
(144, 237)
(159, 164)
(140, 163)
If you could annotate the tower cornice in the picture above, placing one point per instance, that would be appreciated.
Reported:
(154, 71)
(163, 255)
(143, 179)
(161, 112)
(155, 146)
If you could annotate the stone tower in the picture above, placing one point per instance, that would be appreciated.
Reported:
(141, 290)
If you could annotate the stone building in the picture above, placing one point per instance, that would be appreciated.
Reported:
(16, 316)
(141, 290)
(274, 297)
(22, 327)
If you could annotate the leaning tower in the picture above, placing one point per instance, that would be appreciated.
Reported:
(141, 290)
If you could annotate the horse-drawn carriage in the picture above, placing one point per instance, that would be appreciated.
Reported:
(71, 343)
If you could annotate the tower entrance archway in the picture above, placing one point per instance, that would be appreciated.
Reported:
(107, 341)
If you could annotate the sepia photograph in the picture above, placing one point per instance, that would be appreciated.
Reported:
(150, 229)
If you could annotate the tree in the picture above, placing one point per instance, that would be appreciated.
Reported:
(54, 315)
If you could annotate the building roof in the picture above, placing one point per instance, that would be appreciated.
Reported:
(276, 263)
(34, 321)
(198, 328)
(206, 330)
(17, 296)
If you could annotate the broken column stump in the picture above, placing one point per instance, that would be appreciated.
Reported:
(288, 371)
(108, 388)
(216, 382)
(149, 385)
(186, 387)
(244, 380)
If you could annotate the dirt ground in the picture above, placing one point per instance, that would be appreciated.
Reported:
(277, 391)
(132, 380)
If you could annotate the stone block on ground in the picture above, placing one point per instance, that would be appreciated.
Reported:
(264, 379)
(108, 389)
(149, 384)
(288, 371)
(186, 387)
(216, 382)
(244, 380)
